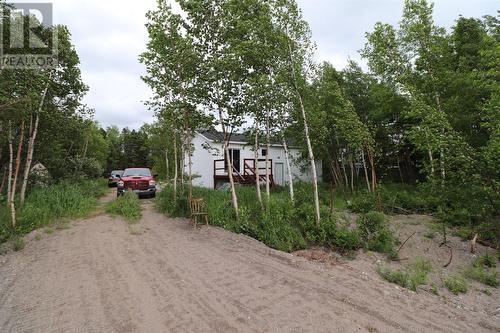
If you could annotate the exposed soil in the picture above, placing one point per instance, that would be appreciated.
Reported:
(101, 275)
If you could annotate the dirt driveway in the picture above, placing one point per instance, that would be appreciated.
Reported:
(162, 276)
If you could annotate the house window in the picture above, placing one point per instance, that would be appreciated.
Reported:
(234, 156)
(264, 152)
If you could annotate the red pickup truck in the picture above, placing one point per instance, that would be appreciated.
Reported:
(137, 180)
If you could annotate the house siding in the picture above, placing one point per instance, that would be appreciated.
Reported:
(203, 161)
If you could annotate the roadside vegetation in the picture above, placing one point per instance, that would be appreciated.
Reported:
(127, 206)
(410, 277)
(45, 207)
(284, 225)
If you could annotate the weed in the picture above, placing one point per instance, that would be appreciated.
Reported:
(485, 260)
(38, 237)
(49, 230)
(486, 292)
(19, 244)
(410, 277)
(480, 274)
(430, 234)
(127, 206)
(434, 289)
(456, 284)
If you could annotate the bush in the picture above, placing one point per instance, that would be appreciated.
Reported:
(485, 260)
(482, 270)
(280, 225)
(456, 284)
(127, 206)
(43, 206)
(375, 234)
(410, 277)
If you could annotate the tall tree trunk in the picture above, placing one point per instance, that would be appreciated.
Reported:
(268, 139)
(234, 197)
(431, 161)
(441, 163)
(371, 159)
(31, 143)
(366, 171)
(168, 170)
(18, 161)
(176, 167)
(190, 170)
(10, 200)
(351, 165)
(9, 177)
(289, 169)
(400, 171)
(308, 139)
(188, 151)
(256, 164)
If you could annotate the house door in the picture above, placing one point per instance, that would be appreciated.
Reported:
(278, 174)
(234, 156)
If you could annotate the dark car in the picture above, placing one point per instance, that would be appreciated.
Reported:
(114, 177)
(137, 180)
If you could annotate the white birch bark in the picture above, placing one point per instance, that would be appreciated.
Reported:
(31, 143)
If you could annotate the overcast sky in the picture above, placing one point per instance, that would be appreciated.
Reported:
(109, 35)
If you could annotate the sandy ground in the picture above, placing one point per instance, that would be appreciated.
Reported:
(160, 275)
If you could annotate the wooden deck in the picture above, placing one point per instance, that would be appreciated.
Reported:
(247, 177)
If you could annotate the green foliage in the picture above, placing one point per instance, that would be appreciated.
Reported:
(483, 275)
(410, 277)
(485, 260)
(281, 225)
(375, 233)
(456, 284)
(44, 206)
(127, 206)
(19, 244)
(483, 270)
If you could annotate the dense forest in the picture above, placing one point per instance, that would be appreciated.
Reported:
(419, 131)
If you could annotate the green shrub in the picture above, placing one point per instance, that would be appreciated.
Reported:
(19, 244)
(489, 278)
(485, 260)
(127, 206)
(456, 284)
(411, 277)
(374, 232)
(399, 277)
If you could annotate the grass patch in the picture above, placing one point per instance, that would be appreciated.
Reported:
(45, 206)
(485, 260)
(19, 244)
(411, 277)
(127, 206)
(483, 271)
(456, 284)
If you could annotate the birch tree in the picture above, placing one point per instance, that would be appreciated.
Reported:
(297, 48)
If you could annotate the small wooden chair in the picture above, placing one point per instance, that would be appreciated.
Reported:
(197, 206)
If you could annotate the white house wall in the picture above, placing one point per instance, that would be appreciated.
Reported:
(203, 161)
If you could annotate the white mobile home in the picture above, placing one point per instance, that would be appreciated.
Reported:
(210, 169)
